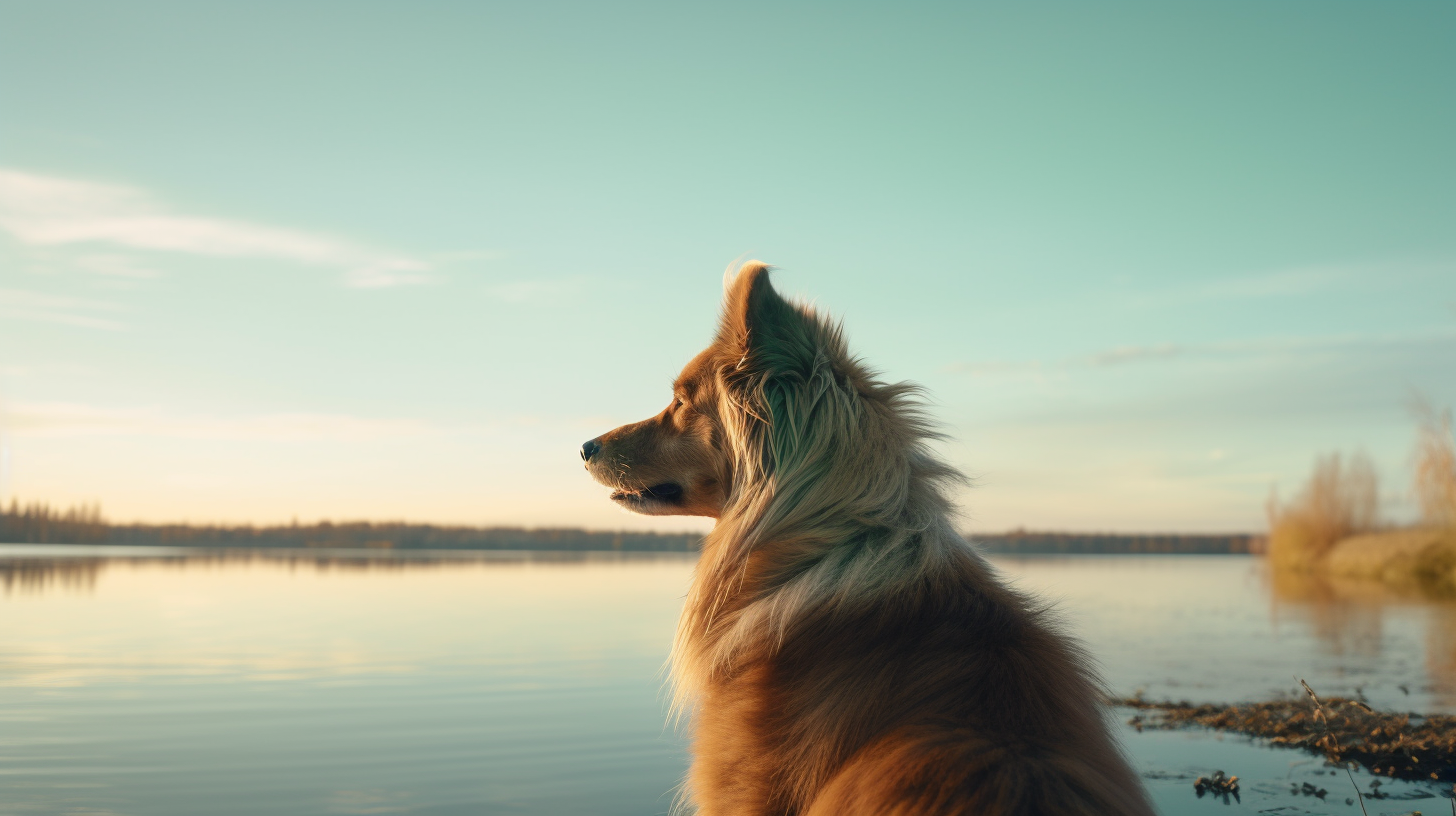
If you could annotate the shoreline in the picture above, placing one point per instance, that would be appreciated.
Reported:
(1406, 746)
(1420, 559)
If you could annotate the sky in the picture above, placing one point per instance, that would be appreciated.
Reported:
(263, 261)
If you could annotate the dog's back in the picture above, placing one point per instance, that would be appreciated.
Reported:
(946, 695)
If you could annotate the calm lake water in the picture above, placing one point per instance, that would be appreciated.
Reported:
(170, 681)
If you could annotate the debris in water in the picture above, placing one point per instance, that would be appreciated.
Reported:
(1397, 746)
(1220, 784)
(1306, 789)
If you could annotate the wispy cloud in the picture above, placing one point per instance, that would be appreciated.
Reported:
(79, 419)
(1121, 355)
(45, 211)
(1281, 283)
(116, 266)
(1130, 354)
(1160, 352)
(523, 291)
(466, 256)
(23, 305)
(1296, 282)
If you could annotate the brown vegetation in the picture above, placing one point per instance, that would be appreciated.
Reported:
(1330, 526)
(1435, 462)
(1340, 500)
(1402, 746)
(1420, 558)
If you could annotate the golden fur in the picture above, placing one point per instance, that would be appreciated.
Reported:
(843, 651)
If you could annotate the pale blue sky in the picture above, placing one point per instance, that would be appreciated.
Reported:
(367, 260)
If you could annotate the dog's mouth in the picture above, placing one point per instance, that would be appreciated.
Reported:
(667, 492)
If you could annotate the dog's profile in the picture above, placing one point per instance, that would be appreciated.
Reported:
(843, 651)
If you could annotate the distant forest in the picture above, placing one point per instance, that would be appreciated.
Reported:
(1032, 543)
(38, 523)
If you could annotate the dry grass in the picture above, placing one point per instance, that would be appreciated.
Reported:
(1330, 525)
(1423, 559)
(1435, 463)
(1340, 499)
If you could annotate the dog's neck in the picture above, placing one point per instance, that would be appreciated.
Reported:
(837, 518)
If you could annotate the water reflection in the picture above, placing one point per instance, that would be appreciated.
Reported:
(178, 681)
(38, 568)
(174, 683)
(1352, 617)
(1206, 628)
(36, 575)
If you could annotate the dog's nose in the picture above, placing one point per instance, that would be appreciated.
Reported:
(590, 449)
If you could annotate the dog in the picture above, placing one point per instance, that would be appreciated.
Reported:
(842, 651)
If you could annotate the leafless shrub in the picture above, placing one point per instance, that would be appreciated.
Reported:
(1339, 500)
(1435, 464)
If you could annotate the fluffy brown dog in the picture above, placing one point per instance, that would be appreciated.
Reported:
(843, 651)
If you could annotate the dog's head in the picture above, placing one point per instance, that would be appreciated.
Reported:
(692, 457)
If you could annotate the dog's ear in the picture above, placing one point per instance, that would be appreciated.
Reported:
(750, 304)
(759, 323)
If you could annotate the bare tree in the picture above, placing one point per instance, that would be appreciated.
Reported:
(1435, 464)
(1340, 499)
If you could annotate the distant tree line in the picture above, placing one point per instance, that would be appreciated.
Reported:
(39, 523)
(400, 535)
(1033, 543)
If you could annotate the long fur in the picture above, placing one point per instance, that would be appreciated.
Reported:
(842, 650)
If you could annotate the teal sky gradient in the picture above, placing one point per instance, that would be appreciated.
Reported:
(368, 260)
